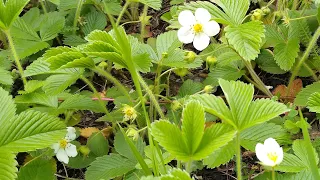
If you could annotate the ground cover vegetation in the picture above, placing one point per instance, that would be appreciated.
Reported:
(159, 90)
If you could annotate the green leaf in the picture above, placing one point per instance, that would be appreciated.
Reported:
(26, 48)
(122, 147)
(37, 98)
(56, 84)
(155, 4)
(259, 133)
(10, 11)
(64, 58)
(291, 163)
(29, 131)
(94, 21)
(102, 36)
(299, 147)
(7, 106)
(267, 63)
(65, 5)
(262, 110)
(21, 30)
(80, 102)
(236, 10)
(32, 86)
(109, 167)
(314, 102)
(189, 87)
(192, 127)
(5, 77)
(305, 93)
(193, 142)
(167, 43)
(98, 144)
(73, 40)
(112, 7)
(8, 165)
(176, 174)
(225, 72)
(221, 156)
(54, 23)
(246, 38)
(37, 67)
(38, 169)
(285, 53)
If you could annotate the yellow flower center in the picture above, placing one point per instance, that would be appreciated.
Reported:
(63, 143)
(129, 112)
(272, 156)
(197, 28)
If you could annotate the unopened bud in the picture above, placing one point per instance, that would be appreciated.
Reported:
(133, 132)
(175, 105)
(211, 60)
(208, 89)
(190, 56)
(181, 72)
(84, 150)
(103, 65)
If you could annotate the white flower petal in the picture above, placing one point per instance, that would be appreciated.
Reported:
(62, 156)
(186, 18)
(280, 155)
(260, 152)
(55, 147)
(201, 41)
(71, 150)
(71, 134)
(271, 144)
(202, 15)
(71, 130)
(211, 28)
(185, 35)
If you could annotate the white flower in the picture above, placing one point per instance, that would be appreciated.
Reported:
(64, 149)
(197, 28)
(270, 153)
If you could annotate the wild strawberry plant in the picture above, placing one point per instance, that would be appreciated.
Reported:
(96, 90)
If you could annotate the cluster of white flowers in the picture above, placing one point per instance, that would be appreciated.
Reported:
(197, 28)
(64, 149)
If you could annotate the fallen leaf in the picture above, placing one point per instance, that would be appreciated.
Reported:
(281, 90)
(86, 132)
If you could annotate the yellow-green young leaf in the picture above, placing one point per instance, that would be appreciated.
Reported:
(8, 165)
(38, 169)
(314, 102)
(239, 96)
(109, 167)
(246, 38)
(291, 163)
(221, 155)
(56, 84)
(102, 36)
(193, 141)
(5, 77)
(176, 174)
(31, 130)
(299, 149)
(7, 106)
(193, 120)
(62, 59)
(9, 12)
(32, 86)
(305, 93)
(285, 53)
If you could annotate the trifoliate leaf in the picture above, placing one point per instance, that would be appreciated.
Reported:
(285, 53)
(246, 38)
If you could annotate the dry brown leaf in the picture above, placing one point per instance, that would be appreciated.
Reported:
(282, 89)
(86, 132)
(107, 131)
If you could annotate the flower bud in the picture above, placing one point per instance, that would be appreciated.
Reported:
(84, 150)
(208, 89)
(181, 72)
(175, 105)
(164, 55)
(133, 132)
(103, 65)
(211, 60)
(266, 10)
(256, 16)
(190, 56)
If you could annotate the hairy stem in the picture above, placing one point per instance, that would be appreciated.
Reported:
(309, 147)
(77, 16)
(15, 56)
(43, 7)
(238, 156)
(124, 9)
(143, 23)
(303, 58)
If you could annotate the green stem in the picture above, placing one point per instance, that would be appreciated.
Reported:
(309, 147)
(43, 7)
(257, 80)
(189, 166)
(304, 57)
(77, 16)
(273, 174)
(314, 76)
(143, 22)
(238, 156)
(96, 93)
(124, 8)
(114, 81)
(15, 56)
